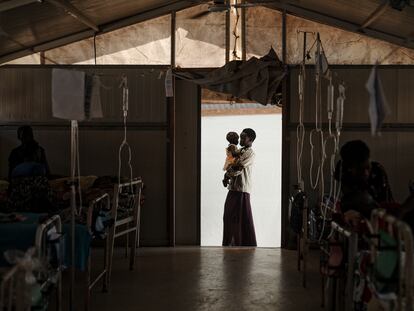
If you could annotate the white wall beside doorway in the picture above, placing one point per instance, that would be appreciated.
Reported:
(266, 195)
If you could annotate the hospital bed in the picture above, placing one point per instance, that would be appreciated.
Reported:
(127, 214)
(15, 292)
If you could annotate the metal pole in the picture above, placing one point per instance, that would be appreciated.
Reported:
(173, 38)
(284, 37)
(228, 35)
(74, 128)
(304, 46)
(243, 32)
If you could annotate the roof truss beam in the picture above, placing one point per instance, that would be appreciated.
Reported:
(376, 14)
(74, 12)
(13, 4)
(345, 25)
(141, 17)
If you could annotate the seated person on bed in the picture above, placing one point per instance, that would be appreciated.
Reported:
(364, 183)
(30, 167)
(28, 147)
(29, 189)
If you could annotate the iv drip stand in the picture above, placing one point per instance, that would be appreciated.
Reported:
(73, 149)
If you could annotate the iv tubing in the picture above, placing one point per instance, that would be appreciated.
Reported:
(124, 86)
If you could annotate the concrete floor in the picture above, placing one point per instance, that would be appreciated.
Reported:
(210, 279)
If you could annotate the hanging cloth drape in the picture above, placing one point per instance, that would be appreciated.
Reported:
(378, 105)
(257, 79)
(75, 95)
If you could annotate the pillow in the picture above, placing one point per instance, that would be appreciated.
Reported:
(62, 184)
(87, 182)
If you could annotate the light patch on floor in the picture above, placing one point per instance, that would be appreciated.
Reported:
(219, 279)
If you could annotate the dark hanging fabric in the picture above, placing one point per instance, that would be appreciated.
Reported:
(257, 79)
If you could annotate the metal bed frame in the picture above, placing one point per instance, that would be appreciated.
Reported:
(405, 247)
(404, 237)
(101, 203)
(303, 244)
(344, 296)
(41, 241)
(131, 221)
(12, 288)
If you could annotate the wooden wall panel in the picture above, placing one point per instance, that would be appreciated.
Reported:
(99, 156)
(405, 164)
(187, 215)
(384, 149)
(357, 97)
(147, 102)
(405, 81)
(393, 149)
(25, 98)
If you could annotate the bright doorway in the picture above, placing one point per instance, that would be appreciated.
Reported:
(218, 119)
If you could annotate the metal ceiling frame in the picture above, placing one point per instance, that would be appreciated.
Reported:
(177, 5)
(380, 10)
(339, 23)
(12, 4)
(165, 9)
(74, 12)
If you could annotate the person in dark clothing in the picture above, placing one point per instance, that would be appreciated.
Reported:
(364, 183)
(28, 151)
(29, 189)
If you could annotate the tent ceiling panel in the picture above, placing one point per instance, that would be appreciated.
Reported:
(106, 11)
(396, 22)
(45, 22)
(391, 25)
(42, 26)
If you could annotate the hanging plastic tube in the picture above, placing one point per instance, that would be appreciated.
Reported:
(335, 186)
(330, 104)
(300, 130)
(318, 71)
(124, 144)
(332, 136)
(318, 124)
(74, 165)
(340, 109)
(338, 124)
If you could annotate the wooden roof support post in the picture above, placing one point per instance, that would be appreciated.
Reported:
(228, 35)
(243, 32)
(171, 143)
(284, 32)
(285, 142)
(173, 38)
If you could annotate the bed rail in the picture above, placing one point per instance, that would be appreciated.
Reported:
(52, 225)
(130, 223)
(102, 203)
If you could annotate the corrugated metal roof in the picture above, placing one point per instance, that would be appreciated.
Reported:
(389, 24)
(41, 25)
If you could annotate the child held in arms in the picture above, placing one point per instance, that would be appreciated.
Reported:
(232, 155)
